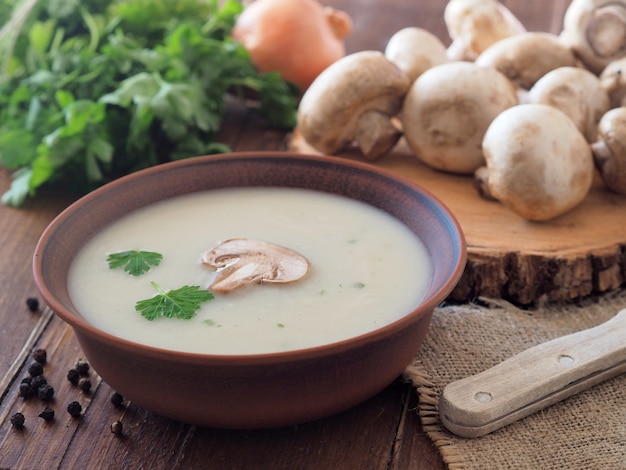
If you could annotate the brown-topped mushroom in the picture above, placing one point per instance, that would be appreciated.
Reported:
(613, 80)
(596, 31)
(243, 261)
(447, 111)
(575, 91)
(525, 58)
(354, 101)
(610, 150)
(415, 50)
(539, 165)
(474, 25)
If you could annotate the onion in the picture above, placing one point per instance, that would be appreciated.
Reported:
(296, 38)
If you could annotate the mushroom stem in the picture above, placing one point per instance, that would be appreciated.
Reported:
(376, 135)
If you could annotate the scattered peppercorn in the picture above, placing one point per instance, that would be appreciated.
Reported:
(18, 420)
(45, 392)
(35, 369)
(73, 376)
(47, 414)
(84, 384)
(26, 391)
(40, 355)
(74, 409)
(117, 428)
(117, 399)
(32, 303)
(82, 367)
(37, 381)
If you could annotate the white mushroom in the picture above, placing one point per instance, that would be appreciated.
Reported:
(596, 31)
(354, 100)
(526, 57)
(474, 25)
(415, 50)
(575, 91)
(613, 79)
(610, 150)
(447, 111)
(538, 163)
(243, 261)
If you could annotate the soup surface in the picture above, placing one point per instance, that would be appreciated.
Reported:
(366, 270)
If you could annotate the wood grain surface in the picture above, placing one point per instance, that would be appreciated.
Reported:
(382, 433)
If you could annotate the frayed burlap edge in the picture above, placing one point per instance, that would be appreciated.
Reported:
(428, 411)
(429, 391)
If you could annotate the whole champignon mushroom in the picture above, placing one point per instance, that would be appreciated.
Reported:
(526, 57)
(447, 111)
(613, 80)
(474, 25)
(596, 31)
(354, 100)
(415, 50)
(609, 150)
(538, 163)
(575, 91)
(243, 261)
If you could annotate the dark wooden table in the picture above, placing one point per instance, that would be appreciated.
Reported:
(382, 433)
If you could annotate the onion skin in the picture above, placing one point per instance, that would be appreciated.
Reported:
(296, 38)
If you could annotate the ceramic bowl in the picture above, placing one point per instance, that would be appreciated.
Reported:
(258, 390)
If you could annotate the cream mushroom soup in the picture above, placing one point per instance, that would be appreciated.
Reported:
(366, 269)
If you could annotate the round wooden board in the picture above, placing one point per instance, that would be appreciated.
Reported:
(578, 254)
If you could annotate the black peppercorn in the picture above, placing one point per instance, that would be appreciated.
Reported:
(82, 367)
(73, 376)
(74, 409)
(35, 369)
(25, 390)
(38, 381)
(84, 384)
(117, 428)
(47, 414)
(32, 303)
(17, 420)
(45, 392)
(40, 355)
(117, 399)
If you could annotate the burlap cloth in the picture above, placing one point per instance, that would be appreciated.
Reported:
(585, 431)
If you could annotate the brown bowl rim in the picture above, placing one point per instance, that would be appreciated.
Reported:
(86, 328)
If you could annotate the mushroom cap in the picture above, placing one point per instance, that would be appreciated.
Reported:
(539, 164)
(447, 111)
(575, 91)
(613, 80)
(474, 25)
(610, 149)
(596, 31)
(526, 57)
(364, 82)
(415, 50)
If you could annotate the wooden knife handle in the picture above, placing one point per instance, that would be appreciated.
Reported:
(534, 379)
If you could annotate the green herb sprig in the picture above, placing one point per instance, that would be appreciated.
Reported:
(91, 90)
(134, 262)
(180, 303)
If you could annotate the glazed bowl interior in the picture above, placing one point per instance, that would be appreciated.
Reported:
(290, 387)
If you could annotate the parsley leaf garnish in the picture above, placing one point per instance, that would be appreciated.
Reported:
(134, 262)
(179, 303)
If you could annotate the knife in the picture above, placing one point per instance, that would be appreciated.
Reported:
(534, 379)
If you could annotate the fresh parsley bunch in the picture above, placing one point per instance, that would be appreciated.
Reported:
(94, 89)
